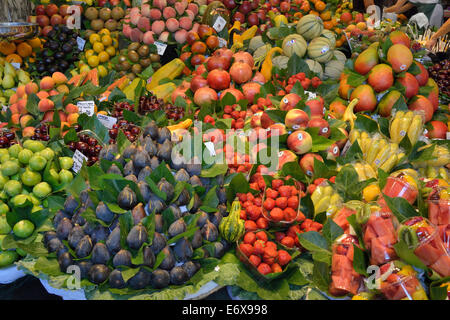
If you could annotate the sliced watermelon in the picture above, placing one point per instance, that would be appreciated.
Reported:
(381, 253)
(341, 218)
(428, 253)
(369, 234)
(350, 253)
(383, 227)
(442, 265)
(433, 212)
(340, 262)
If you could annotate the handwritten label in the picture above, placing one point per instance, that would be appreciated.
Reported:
(16, 65)
(107, 121)
(86, 107)
(219, 24)
(78, 159)
(81, 43)
(222, 42)
(161, 47)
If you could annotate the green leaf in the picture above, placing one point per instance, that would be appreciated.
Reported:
(214, 171)
(32, 104)
(437, 291)
(48, 266)
(414, 69)
(382, 178)
(359, 261)
(116, 95)
(354, 153)
(346, 184)
(313, 241)
(122, 141)
(125, 223)
(211, 200)
(296, 65)
(238, 184)
(298, 89)
(405, 144)
(76, 186)
(354, 79)
(322, 171)
(294, 170)
(407, 254)
(321, 275)
(277, 115)
(152, 185)
(366, 124)
(132, 117)
(162, 172)
(319, 143)
(400, 207)
(331, 231)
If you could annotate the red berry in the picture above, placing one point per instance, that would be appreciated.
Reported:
(285, 191)
(288, 242)
(262, 223)
(259, 247)
(292, 202)
(276, 214)
(254, 260)
(250, 225)
(264, 268)
(283, 257)
(246, 249)
(281, 202)
(276, 268)
(250, 238)
(261, 235)
(269, 204)
(276, 183)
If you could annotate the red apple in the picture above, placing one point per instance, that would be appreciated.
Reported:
(296, 119)
(322, 124)
(437, 130)
(289, 101)
(299, 141)
(316, 107)
(307, 163)
(51, 9)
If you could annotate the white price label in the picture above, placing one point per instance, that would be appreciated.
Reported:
(447, 135)
(86, 107)
(161, 47)
(16, 65)
(311, 95)
(107, 121)
(78, 159)
(219, 24)
(210, 146)
(81, 43)
(222, 42)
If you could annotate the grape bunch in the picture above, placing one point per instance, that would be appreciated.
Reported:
(88, 146)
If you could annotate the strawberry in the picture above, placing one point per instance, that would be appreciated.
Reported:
(285, 191)
(276, 214)
(242, 197)
(227, 109)
(243, 215)
(250, 225)
(257, 202)
(289, 214)
(261, 235)
(209, 119)
(292, 202)
(300, 76)
(254, 260)
(246, 249)
(300, 216)
(264, 268)
(288, 242)
(276, 268)
(270, 255)
(249, 238)
(262, 223)
(276, 183)
(259, 247)
(283, 257)
(279, 236)
(316, 82)
(305, 83)
(271, 244)
(270, 193)
(281, 202)
(253, 212)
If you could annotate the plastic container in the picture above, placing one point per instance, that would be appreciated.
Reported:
(438, 208)
(379, 236)
(406, 288)
(397, 187)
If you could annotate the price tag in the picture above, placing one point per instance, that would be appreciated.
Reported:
(447, 135)
(78, 159)
(81, 43)
(161, 47)
(222, 42)
(311, 95)
(16, 65)
(210, 146)
(86, 107)
(107, 121)
(219, 24)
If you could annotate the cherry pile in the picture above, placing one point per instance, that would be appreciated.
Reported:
(41, 133)
(441, 74)
(304, 81)
(7, 138)
(130, 130)
(151, 103)
(88, 146)
(119, 107)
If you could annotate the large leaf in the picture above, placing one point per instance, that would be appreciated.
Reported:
(400, 207)
(331, 231)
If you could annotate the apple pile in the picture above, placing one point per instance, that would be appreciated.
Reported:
(162, 21)
(48, 16)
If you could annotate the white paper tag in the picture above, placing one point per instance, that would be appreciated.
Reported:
(222, 42)
(210, 146)
(16, 65)
(161, 47)
(81, 43)
(311, 95)
(4, 108)
(447, 135)
(78, 159)
(106, 120)
(86, 107)
(219, 24)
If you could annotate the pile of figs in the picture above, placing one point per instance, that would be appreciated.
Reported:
(105, 248)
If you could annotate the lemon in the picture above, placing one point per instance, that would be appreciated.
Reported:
(102, 71)
(93, 61)
(85, 68)
(371, 192)
(98, 47)
(107, 40)
(89, 53)
(93, 38)
(104, 31)
(103, 56)
(111, 51)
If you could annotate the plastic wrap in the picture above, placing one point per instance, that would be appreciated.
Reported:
(439, 213)
(399, 187)
(325, 198)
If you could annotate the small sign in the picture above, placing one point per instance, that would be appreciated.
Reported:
(106, 120)
(78, 159)
(16, 65)
(161, 47)
(219, 24)
(86, 107)
(4, 108)
(222, 42)
(210, 146)
(81, 43)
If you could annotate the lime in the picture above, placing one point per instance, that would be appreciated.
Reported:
(37, 163)
(33, 145)
(7, 258)
(42, 189)
(47, 153)
(4, 208)
(5, 158)
(30, 178)
(65, 176)
(13, 188)
(25, 156)
(9, 168)
(66, 162)
(23, 228)
(5, 228)
(14, 150)
(3, 180)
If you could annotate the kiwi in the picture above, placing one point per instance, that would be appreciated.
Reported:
(136, 68)
(154, 57)
(143, 50)
(145, 62)
(111, 25)
(133, 56)
(105, 14)
(122, 59)
(97, 24)
(91, 13)
(125, 65)
(134, 46)
(117, 13)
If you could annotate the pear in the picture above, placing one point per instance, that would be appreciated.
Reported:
(8, 93)
(8, 81)
(9, 69)
(23, 76)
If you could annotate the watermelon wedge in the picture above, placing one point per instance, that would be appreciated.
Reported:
(344, 279)
(442, 265)
(341, 218)
(379, 237)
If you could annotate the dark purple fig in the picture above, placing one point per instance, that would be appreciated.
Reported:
(191, 268)
(140, 280)
(182, 175)
(203, 219)
(215, 218)
(99, 273)
(127, 199)
(209, 232)
(178, 276)
(131, 177)
(75, 235)
(85, 266)
(197, 239)
(222, 195)
(89, 228)
(109, 152)
(114, 169)
(159, 223)
(113, 241)
(103, 213)
(144, 173)
(151, 129)
(129, 151)
(177, 227)
(154, 162)
(122, 258)
(138, 213)
(150, 147)
(100, 254)
(54, 245)
(70, 205)
(167, 188)
(165, 151)
(141, 159)
(156, 205)
(195, 181)
(59, 216)
(63, 229)
(158, 243)
(77, 218)
(177, 161)
(137, 236)
(194, 167)
(145, 190)
(164, 135)
(49, 235)
(196, 204)
(223, 210)
(149, 256)
(100, 234)
(169, 260)
(175, 211)
(183, 198)
(183, 250)
(129, 168)
(65, 260)
(160, 279)
(116, 280)
(84, 247)
(219, 250)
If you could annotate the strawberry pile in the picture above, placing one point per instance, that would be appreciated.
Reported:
(236, 115)
(251, 211)
(263, 254)
(303, 79)
(281, 202)
(289, 238)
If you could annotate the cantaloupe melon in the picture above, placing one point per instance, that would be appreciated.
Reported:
(310, 26)
(319, 49)
(315, 67)
(333, 69)
(340, 56)
(294, 43)
(331, 36)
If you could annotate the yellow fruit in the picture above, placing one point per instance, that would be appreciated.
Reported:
(419, 295)
(111, 51)
(89, 53)
(115, 43)
(98, 47)
(102, 71)
(104, 31)
(371, 192)
(94, 38)
(85, 68)
(106, 40)
(93, 61)
(103, 56)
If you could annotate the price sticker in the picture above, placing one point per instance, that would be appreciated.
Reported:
(16, 65)
(161, 47)
(210, 146)
(81, 43)
(86, 107)
(106, 120)
(311, 95)
(222, 42)
(78, 159)
(219, 24)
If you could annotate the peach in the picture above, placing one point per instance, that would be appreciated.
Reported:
(135, 18)
(71, 108)
(126, 30)
(25, 119)
(322, 124)
(31, 87)
(72, 118)
(296, 119)
(135, 11)
(180, 36)
(169, 12)
(193, 7)
(20, 91)
(158, 27)
(144, 24)
(145, 10)
(289, 101)
(164, 36)
(185, 23)
(14, 108)
(42, 94)
(148, 37)
(190, 14)
(277, 129)
(15, 118)
(62, 88)
(299, 141)
(316, 107)
(59, 78)
(172, 24)
(422, 77)
(13, 99)
(28, 132)
(307, 163)
(136, 35)
(22, 106)
(161, 4)
(47, 83)
(45, 105)
(155, 14)
(53, 93)
(284, 157)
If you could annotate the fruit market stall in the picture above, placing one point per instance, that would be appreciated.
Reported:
(280, 150)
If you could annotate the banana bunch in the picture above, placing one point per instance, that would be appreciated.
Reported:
(378, 152)
(441, 157)
(325, 198)
(406, 123)
(434, 173)
(364, 170)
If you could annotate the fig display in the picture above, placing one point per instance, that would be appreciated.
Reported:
(140, 280)
(154, 162)
(169, 260)
(178, 276)
(127, 199)
(84, 247)
(49, 235)
(59, 216)
(113, 241)
(137, 236)
(77, 218)
(54, 245)
(103, 213)
(160, 279)
(122, 258)
(129, 151)
(165, 151)
(109, 152)
(159, 243)
(195, 181)
(98, 273)
(141, 159)
(209, 232)
(177, 227)
(222, 195)
(183, 250)
(203, 219)
(149, 257)
(219, 250)
(63, 229)
(75, 235)
(116, 280)
(100, 254)
(100, 234)
(183, 198)
(150, 147)
(196, 203)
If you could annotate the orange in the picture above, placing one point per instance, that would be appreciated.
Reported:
(320, 6)
(339, 43)
(337, 31)
(103, 56)
(327, 25)
(334, 20)
(314, 13)
(24, 50)
(35, 43)
(7, 48)
(326, 15)
(14, 58)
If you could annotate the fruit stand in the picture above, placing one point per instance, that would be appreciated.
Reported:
(173, 149)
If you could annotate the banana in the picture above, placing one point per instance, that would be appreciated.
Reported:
(354, 134)
(365, 143)
(399, 114)
(409, 115)
(360, 170)
(409, 172)
(373, 150)
(403, 128)
(369, 171)
(394, 129)
(443, 174)
(400, 157)
(389, 163)
(415, 129)
(382, 156)
(317, 195)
